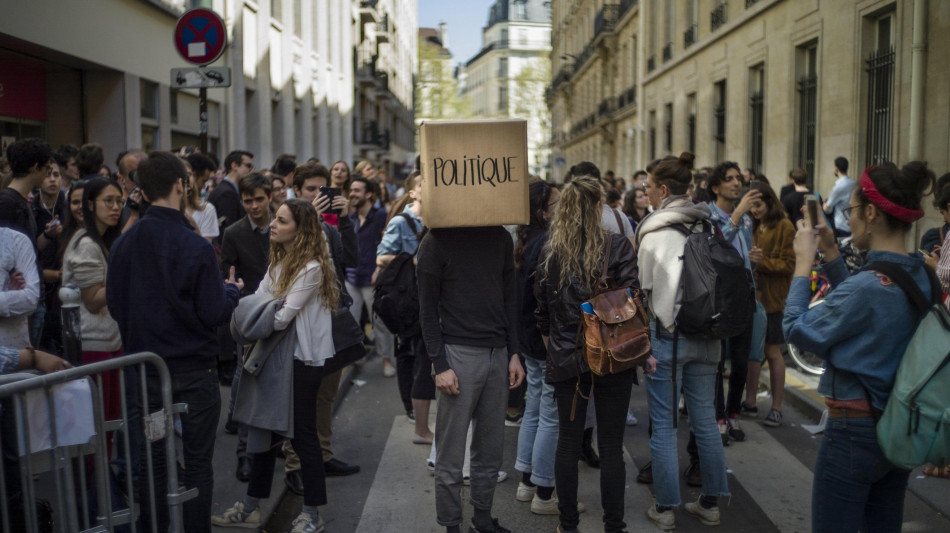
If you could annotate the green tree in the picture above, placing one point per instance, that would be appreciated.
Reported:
(436, 90)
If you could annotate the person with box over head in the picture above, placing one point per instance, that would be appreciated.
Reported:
(469, 305)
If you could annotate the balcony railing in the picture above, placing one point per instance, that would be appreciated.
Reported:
(605, 107)
(606, 18)
(651, 64)
(382, 29)
(717, 17)
(370, 134)
(689, 36)
(368, 11)
(628, 97)
(667, 52)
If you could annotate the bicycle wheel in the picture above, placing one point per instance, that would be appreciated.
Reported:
(807, 361)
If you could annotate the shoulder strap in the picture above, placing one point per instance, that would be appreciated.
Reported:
(619, 221)
(603, 275)
(906, 283)
(412, 223)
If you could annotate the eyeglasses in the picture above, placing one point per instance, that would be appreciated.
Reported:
(111, 202)
(847, 210)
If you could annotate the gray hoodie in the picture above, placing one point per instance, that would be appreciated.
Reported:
(660, 254)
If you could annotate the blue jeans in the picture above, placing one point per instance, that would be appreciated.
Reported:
(696, 363)
(855, 487)
(537, 438)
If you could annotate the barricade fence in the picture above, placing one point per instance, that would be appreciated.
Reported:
(77, 449)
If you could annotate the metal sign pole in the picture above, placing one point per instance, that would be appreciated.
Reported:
(203, 119)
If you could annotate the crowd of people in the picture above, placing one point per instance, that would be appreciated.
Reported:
(264, 282)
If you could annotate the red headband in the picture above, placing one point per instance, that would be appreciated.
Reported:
(875, 197)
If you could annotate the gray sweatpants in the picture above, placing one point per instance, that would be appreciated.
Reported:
(483, 396)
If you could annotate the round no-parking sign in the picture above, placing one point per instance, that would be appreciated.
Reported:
(200, 36)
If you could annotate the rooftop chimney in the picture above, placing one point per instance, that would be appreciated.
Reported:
(444, 34)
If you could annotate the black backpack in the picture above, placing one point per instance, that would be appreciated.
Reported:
(396, 295)
(718, 295)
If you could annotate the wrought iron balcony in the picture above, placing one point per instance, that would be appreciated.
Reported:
(667, 52)
(625, 6)
(606, 18)
(628, 97)
(382, 29)
(718, 16)
(651, 64)
(689, 36)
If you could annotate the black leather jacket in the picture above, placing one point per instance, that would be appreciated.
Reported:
(559, 312)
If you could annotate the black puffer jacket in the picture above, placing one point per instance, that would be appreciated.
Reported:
(559, 312)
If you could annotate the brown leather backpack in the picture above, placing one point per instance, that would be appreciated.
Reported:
(617, 332)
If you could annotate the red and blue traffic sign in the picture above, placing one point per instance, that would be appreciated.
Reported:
(200, 36)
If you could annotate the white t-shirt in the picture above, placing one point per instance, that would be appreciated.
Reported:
(207, 220)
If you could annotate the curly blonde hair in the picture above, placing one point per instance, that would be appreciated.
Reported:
(309, 244)
(576, 240)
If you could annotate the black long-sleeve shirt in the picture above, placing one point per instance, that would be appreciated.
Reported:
(467, 290)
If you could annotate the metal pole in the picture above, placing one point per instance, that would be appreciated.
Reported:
(72, 340)
(203, 119)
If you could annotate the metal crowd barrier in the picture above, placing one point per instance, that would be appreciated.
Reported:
(46, 434)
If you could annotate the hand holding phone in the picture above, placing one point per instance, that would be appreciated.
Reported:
(811, 206)
(331, 193)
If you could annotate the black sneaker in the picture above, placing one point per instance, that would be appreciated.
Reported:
(735, 432)
(774, 419)
(693, 475)
(495, 528)
(230, 427)
(337, 468)
(411, 415)
(645, 475)
(750, 411)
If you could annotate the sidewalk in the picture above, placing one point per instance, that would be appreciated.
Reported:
(227, 489)
(800, 392)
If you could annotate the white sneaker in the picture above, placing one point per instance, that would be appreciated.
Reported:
(236, 517)
(549, 506)
(525, 493)
(665, 520)
(708, 517)
(304, 524)
(502, 475)
(631, 420)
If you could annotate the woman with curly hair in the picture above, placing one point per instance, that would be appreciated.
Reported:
(571, 264)
(302, 274)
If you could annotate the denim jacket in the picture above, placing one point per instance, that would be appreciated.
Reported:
(730, 231)
(399, 236)
(861, 330)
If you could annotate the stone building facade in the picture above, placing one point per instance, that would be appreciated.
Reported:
(771, 84)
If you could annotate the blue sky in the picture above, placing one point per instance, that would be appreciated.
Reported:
(465, 19)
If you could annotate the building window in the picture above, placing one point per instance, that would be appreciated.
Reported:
(275, 9)
(692, 21)
(652, 135)
(149, 138)
(718, 16)
(148, 96)
(503, 99)
(503, 67)
(669, 128)
(521, 9)
(691, 123)
(880, 69)
(719, 119)
(756, 115)
(807, 108)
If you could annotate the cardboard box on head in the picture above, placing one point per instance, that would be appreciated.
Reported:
(475, 173)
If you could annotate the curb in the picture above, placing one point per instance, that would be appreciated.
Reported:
(798, 393)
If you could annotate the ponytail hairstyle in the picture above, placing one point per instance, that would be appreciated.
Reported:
(904, 187)
(576, 241)
(309, 244)
(539, 194)
(674, 172)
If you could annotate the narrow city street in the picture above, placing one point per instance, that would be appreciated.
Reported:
(770, 476)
